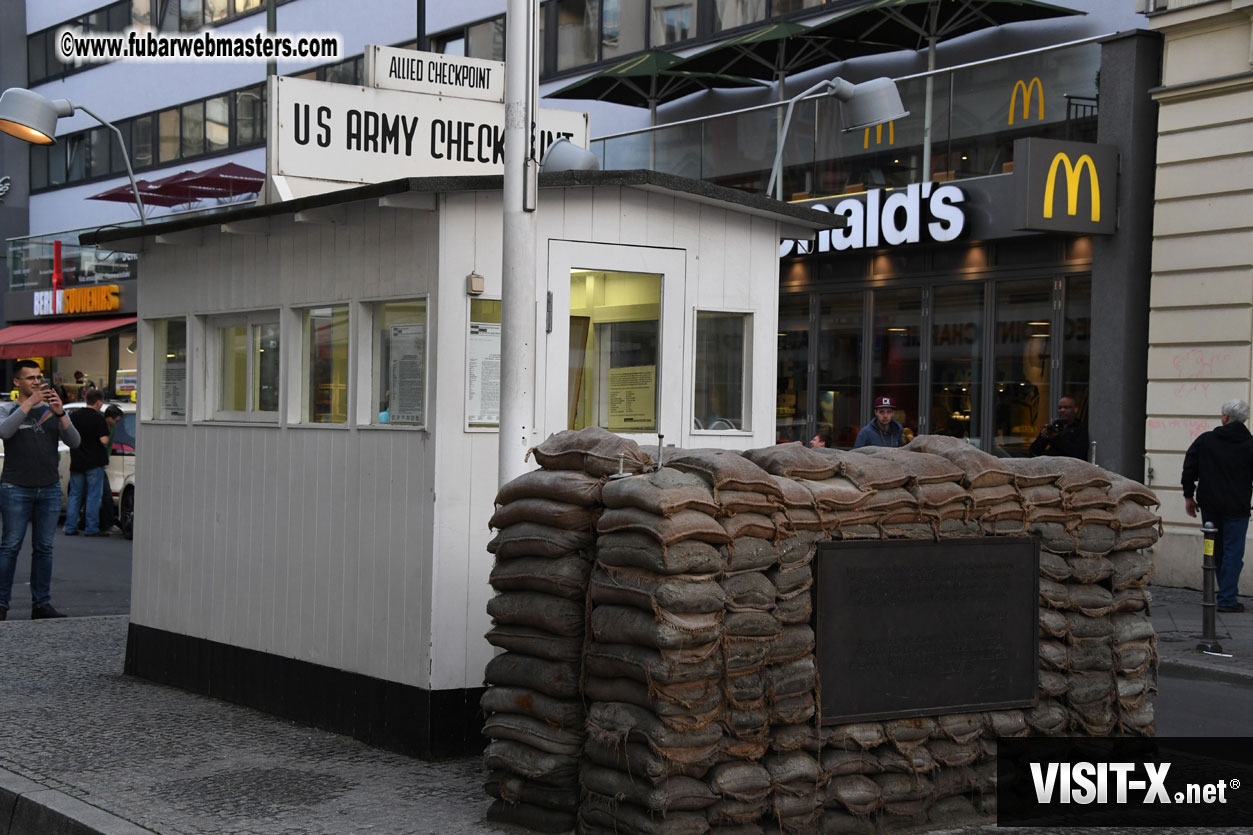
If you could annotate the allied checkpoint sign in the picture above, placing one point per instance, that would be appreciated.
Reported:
(352, 134)
(922, 628)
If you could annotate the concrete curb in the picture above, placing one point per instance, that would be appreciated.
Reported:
(29, 808)
(1201, 669)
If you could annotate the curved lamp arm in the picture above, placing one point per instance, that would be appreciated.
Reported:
(121, 143)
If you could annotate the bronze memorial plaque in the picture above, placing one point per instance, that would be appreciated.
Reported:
(914, 628)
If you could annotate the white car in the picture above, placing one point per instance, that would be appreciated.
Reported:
(121, 465)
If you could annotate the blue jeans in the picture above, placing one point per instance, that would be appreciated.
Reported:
(91, 481)
(1228, 553)
(39, 508)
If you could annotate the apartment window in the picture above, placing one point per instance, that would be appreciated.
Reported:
(487, 40)
(673, 21)
(781, 7)
(39, 166)
(248, 367)
(577, 24)
(723, 365)
(190, 15)
(193, 129)
(250, 116)
(453, 45)
(615, 350)
(76, 157)
(168, 127)
(217, 124)
(169, 400)
(325, 332)
(729, 14)
(621, 30)
(98, 152)
(399, 359)
(141, 142)
(216, 11)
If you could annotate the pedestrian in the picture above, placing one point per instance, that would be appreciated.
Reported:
(1222, 461)
(30, 484)
(87, 465)
(821, 439)
(108, 507)
(1067, 436)
(884, 430)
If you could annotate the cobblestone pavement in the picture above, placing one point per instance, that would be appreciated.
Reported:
(173, 762)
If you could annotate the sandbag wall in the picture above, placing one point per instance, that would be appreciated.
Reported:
(695, 700)
(534, 706)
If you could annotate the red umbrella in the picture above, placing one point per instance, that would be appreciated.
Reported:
(223, 181)
(147, 192)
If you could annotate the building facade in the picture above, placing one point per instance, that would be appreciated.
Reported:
(1201, 325)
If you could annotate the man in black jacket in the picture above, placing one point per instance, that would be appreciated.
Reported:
(1066, 436)
(1222, 459)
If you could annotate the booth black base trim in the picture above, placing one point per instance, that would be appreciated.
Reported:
(409, 720)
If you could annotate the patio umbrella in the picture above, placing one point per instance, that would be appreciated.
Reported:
(148, 192)
(776, 51)
(647, 80)
(225, 181)
(913, 24)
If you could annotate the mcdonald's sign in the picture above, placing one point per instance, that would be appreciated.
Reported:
(1065, 186)
(1026, 87)
(878, 135)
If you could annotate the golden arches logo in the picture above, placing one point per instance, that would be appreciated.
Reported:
(1027, 87)
(1073, 174)
(878, 135)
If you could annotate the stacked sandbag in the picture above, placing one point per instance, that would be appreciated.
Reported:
(535, 718)
(944, 504)
(1098, 650)
(654, 664)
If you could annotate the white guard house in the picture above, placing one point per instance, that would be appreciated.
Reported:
(318, 399)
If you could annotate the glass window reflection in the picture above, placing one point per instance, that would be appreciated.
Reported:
(956, 366)
(897, 351)
(1023, 354)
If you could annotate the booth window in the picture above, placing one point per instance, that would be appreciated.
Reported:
(169, 337)
(248, 367)
(722, 363)
(615, 350)
(399, 385)
(325, 336)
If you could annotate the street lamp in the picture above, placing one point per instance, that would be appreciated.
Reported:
(866, 104)
(33, 118)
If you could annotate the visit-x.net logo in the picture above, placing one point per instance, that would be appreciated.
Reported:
(1118, 783)
(1124, 782)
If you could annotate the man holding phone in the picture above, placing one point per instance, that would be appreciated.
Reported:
(30, 484)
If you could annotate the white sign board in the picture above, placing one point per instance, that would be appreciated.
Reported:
(361, 135)
(405, 378)
(388, 68)
(483, 375)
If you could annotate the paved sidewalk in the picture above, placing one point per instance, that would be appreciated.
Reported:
(84, 749)
(1177, 619)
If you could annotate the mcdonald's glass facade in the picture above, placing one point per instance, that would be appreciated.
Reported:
(1015, 276)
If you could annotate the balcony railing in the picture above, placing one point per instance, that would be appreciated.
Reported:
(979, 109)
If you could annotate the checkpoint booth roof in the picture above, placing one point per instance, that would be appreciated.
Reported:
(330, 440)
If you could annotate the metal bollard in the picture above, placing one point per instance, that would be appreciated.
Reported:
(1209, 592)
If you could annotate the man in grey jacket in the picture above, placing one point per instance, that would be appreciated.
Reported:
(30, 484)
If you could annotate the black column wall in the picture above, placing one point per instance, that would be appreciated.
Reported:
(1130, 66)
